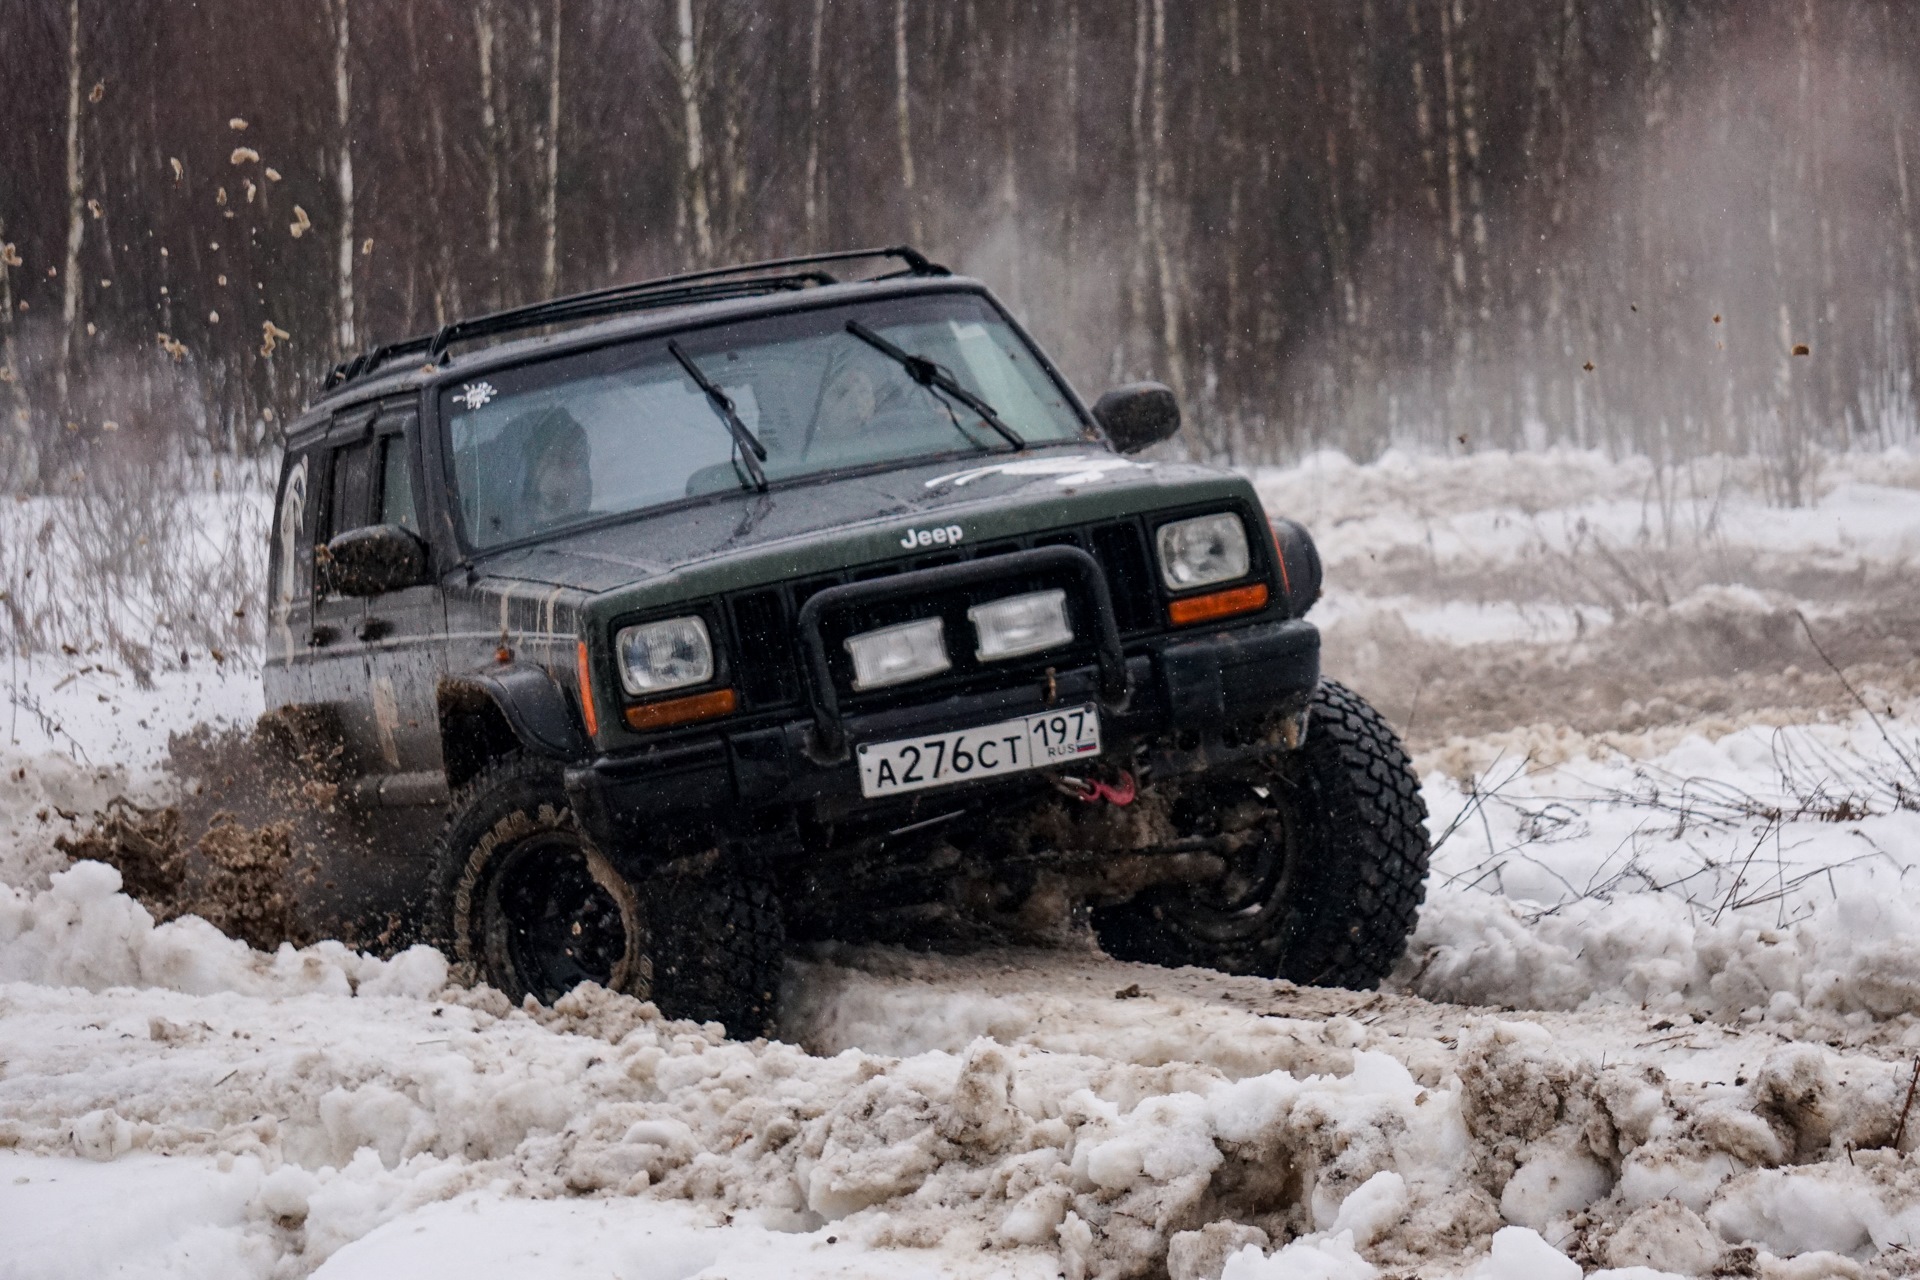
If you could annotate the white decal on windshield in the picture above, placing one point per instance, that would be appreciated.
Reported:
(475, 394)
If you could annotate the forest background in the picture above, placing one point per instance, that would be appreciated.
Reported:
(1671, 227)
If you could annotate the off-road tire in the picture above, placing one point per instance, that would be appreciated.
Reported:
(1343, 855)
(721, 960)
(701, 939)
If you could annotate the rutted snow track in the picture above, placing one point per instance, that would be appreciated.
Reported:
(1715, 912)
(1022, 1114)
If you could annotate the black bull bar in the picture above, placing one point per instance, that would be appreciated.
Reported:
(829, 731)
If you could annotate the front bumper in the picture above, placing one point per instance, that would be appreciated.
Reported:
(1197, 700)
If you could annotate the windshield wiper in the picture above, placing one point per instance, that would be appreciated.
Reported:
(752, 452)
(930, 375)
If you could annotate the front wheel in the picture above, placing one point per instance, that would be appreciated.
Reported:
(1330, 869)
(528, 904)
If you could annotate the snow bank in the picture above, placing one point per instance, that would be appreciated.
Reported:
(83, 932)
(1495, 505)
(1765, 876)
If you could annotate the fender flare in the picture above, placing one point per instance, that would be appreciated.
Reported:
(539, 712)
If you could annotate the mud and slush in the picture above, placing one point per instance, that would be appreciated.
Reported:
(258, 841)
(1623, 1078)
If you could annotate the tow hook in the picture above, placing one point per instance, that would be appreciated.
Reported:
(1293, 730)
(1088, 790)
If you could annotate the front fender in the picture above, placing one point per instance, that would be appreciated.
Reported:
(537, 710)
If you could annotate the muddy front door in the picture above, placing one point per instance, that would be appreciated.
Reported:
(405, 631)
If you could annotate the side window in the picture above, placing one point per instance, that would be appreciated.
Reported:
(396, 485)
(352, 473)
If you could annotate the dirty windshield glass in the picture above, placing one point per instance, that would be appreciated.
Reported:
(550, 445)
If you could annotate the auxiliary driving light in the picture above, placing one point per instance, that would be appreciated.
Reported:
(897, 654)
(1203, 551)
(1019, 625)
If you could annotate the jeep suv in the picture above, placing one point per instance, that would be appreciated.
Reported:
(652, 626)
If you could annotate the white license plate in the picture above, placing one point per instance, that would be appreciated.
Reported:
(1012, 746)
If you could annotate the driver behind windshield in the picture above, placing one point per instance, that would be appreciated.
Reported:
(557, 474)
(853, 397)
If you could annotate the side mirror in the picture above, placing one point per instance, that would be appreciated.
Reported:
(373, 559)
(1137, 415)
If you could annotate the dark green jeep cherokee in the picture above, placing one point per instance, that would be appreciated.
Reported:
(756, 603)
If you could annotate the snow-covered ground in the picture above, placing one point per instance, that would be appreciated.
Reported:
(1658, 1017)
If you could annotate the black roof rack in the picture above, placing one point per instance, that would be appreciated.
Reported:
(773, 276)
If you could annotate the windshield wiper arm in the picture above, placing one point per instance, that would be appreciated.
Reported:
(928, 374)
(752, 452)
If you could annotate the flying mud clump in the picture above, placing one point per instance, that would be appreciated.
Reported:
(238, 845)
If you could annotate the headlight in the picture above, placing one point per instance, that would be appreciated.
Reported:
(1019, 625)
(656, 656)
(1194, 553)
(895, 655)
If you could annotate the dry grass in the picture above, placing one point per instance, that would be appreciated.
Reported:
(137, 562)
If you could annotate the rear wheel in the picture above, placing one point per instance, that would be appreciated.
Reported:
(528, 904)
(1330, 869)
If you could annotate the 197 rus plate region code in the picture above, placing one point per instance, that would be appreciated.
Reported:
(1012, 746)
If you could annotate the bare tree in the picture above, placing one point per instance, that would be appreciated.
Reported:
(76, 217)
(1170, 291)
(903, 122)
(694, 175)
(1325, 228)
(489, 137)
(813, 123)
(343, 177)
(550, 207)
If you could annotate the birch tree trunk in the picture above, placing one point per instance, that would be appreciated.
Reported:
(343, 103)
(1910, 255)
(695, 177)
(76, 218)
(1473, 140)
(902, 119)
(1457, 255)
(813, 126)
(15, 431)
(1170, 301)
(550, 208)
(1236, 163)
(490, 143)
(1135, 329)
(1010, 185)
(1070, 228)
(1909, 251)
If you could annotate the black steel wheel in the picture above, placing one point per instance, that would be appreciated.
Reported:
(526, 902)
(1326, 884)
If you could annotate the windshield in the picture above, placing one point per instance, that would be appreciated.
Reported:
(545, 446)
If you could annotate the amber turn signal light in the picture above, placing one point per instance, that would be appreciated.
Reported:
(1218, 604)
(586, 693)
(699, 706)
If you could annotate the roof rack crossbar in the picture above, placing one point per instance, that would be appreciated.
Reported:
(372, 358)
(713, 283)
(628, 298)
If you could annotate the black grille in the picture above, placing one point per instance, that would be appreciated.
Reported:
(766, 644)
